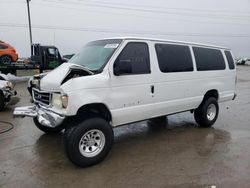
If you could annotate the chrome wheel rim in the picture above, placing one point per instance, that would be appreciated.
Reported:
(92, 143)
(211, 112)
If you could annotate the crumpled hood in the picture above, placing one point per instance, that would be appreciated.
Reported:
(53, 80)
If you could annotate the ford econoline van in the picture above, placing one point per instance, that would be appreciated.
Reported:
(112, 82)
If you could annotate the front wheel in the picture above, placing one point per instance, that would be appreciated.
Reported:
(89, 142)
(48, 130)
(5, 59)
(206, 114)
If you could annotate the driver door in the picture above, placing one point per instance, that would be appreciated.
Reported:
(131, 84)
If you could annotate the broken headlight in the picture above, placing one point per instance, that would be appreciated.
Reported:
(59, 100)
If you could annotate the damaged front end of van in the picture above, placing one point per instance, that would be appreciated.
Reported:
(58, 95)
(50, 100)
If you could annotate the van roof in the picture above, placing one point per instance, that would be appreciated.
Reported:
(170, 41)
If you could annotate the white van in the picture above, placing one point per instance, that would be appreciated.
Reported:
(116, 81)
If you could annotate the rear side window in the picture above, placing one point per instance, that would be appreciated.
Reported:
(137, 55)
(230, 59)
(208, 59)
(174, 58)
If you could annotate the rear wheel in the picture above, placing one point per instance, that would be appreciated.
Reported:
(206, 114)
(89, 142)
(48, 130)
(5, 59)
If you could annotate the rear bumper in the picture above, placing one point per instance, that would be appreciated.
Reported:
(44, 116)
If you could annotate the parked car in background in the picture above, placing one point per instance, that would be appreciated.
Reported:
(243, 61)
(7, 53)
(6, 91)
(113, 82)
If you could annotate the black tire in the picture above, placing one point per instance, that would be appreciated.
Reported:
(73, 138)
(201, 113)
(5, 59)
(48, 130)
(2, 102)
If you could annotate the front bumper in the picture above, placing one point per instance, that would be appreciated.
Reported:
(44, 116)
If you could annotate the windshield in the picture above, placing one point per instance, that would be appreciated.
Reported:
(95, 55)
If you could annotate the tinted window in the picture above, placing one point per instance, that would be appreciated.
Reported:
(3, 46)
(208, 59)
(137, 55)
(174, 58)
(230, 59)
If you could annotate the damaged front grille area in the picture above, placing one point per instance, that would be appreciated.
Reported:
(42, 97)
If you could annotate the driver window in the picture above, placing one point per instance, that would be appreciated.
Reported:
(137, 55)
(51, 52)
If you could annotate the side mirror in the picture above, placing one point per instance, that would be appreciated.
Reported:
(122, 67)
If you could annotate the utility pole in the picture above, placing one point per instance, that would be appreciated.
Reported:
(28, 7)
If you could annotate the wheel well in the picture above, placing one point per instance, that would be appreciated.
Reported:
(211, 93)
(95, 109)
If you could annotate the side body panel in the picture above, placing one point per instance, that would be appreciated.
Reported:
(129, 98)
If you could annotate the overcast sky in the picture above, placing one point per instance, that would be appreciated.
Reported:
(69, 24)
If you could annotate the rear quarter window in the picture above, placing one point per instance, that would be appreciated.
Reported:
(208, 59)
(230, 59)
(174, 58)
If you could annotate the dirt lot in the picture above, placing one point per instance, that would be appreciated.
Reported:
(178, 154)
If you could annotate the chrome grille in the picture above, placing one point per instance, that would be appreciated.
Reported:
(41, 97)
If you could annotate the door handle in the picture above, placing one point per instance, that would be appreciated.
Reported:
(152, 87)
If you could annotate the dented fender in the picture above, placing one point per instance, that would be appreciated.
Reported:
(87, 90)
